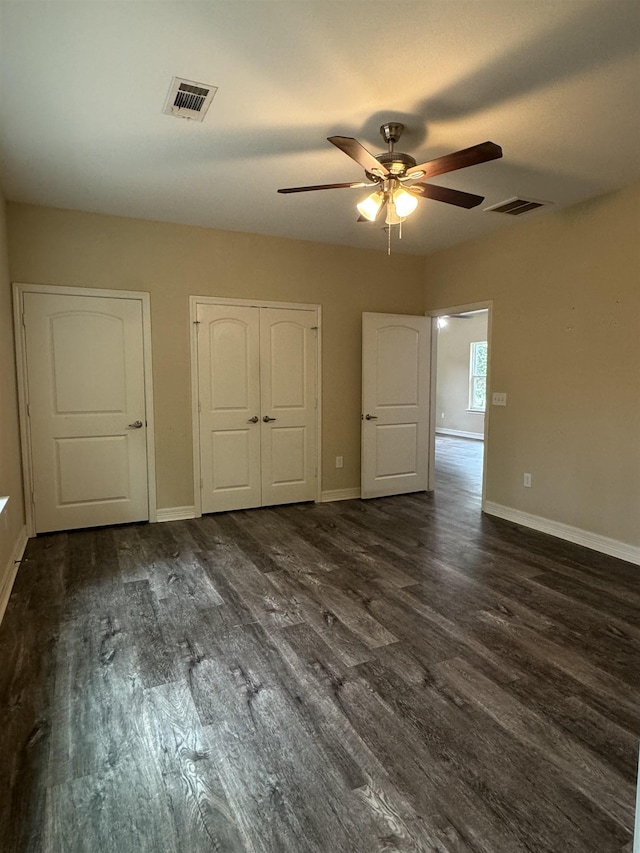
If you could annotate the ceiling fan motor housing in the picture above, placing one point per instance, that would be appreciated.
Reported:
(395, 161)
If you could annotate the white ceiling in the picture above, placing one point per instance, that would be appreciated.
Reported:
(556, 84)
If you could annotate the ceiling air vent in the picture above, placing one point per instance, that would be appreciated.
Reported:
(188, 99)
(517, 206)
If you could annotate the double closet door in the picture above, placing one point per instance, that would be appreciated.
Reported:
(257, 405)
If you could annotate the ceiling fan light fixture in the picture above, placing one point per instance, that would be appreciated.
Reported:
(370, 206)
(388, 171)
(404, 203)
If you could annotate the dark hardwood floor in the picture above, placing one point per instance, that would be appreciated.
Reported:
(358, 677)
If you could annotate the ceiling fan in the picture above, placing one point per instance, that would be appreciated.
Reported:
(396, 178)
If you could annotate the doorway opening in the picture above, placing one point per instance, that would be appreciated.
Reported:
(461, 351)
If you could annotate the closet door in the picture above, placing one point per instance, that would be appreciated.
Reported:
(229, 406)
(288, 352)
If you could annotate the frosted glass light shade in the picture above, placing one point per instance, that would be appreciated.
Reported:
(370, 206)
(404, 203)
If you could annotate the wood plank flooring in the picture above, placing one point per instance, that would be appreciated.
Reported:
(359, 677)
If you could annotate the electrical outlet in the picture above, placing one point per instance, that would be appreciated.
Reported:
(499, 398)
(339, 462)
(527, 480)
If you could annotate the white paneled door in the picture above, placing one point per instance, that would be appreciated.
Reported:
(257, 405)
(288, 343)
(86, 410)
(229, 406)
(395, 404)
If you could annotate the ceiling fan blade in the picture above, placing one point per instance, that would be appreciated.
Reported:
(446, 195)
(481, 153)
(359, 153)
(326, 187)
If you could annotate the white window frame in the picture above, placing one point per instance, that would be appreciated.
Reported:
(472, 376)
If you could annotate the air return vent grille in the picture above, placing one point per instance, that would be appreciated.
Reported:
(517, 206)
(188, 99)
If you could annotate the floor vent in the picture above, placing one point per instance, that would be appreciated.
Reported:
(188, 99)
(517, 206)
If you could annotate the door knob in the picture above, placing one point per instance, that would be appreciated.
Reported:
(371, 417)
(267, 419)
(135, 425)
(253, 420)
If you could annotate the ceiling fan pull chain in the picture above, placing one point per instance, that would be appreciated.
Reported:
(388, 239)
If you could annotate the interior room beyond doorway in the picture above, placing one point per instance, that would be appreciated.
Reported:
(461, 400)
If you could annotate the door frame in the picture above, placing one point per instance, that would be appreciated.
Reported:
(443, 312)
(19, 289)
(194, 301)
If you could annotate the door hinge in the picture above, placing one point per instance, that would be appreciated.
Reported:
(199, 406)
(24, 321)
(314, 328)
(28, 410)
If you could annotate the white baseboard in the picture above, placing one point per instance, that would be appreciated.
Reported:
(11, 570)
(176, 513)
(612, 547)
(460, 433)
(340, 495)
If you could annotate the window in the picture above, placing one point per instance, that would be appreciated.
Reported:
(478, 377)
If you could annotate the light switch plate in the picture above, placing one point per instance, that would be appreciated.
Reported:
(499, 398)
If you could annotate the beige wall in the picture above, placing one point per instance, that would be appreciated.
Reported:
(452, 385)
(566, 349)
(566, 337)
(12, 520)
(49, 246)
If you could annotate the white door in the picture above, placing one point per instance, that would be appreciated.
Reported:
(229, 403)
(86, 407)
(395, 404)
(257, 406)
(288, 346)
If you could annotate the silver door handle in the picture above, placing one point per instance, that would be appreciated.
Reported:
(253, 420)
(135, 425)
(371, 417)
(267, 419)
